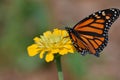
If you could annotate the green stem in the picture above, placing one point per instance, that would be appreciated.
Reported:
(59, 68)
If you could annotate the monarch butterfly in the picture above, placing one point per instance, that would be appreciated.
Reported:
(90, 35)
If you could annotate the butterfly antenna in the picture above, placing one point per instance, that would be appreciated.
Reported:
(67, 27)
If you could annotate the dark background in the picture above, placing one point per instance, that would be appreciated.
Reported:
(22, 20)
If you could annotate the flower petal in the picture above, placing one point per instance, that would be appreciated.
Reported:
(33, 50)
(47, 34)
(67, 46)
(54, 50)
(49, 57)
(57, 32)
(64, 33)
(37, 39)
(42, 54)
(71, 50)
(63, 51)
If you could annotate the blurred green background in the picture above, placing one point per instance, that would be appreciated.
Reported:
(22, 20)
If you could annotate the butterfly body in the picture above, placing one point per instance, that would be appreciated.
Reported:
(90, 35)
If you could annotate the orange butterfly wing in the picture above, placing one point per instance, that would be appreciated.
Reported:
(91, 34)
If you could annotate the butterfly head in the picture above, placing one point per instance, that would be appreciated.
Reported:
(69, 29)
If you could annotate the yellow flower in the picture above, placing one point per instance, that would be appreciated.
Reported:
(51, 43)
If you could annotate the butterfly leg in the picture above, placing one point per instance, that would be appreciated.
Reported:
(84, 52)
